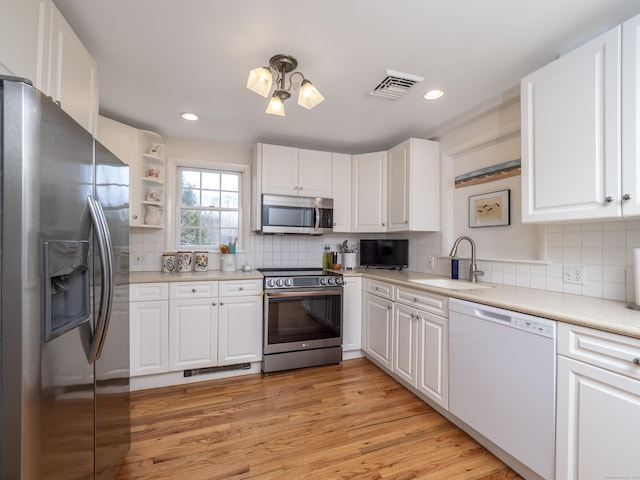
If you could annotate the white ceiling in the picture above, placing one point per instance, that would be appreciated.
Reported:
(158, 58)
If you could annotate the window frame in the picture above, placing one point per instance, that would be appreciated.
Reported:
(173, 195)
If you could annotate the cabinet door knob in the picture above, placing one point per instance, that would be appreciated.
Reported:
(415, 299)
(626, 196)
(135, 217)
(241, 288)
(221, 303)
(608, 199)
(384, 224)
(301, 188)
(389, 307)
(213, 303)
(636, 362)
(193, 290)
(295, 187)
(413, 315)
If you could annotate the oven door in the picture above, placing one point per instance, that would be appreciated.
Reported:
(302, 319)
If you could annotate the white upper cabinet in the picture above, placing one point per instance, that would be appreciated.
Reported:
(314, 173)
(414, 186)
(341, 187)
(369, 180)
(631, 117)
(19, 38)
(290, 171)
(67, 72)
(571, 153)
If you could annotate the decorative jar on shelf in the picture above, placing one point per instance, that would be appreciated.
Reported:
(153, 216)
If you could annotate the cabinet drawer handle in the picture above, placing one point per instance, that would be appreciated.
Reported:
(636, 362)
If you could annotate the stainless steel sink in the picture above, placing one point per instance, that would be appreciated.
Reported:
(450, 284)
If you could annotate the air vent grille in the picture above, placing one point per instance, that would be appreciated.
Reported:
(393, 85)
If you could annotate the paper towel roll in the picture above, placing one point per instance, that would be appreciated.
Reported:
(636, 273)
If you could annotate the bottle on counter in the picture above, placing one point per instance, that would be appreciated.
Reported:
(454, 268)
(327, 258)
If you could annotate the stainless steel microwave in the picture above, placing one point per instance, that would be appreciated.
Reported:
(303, 215)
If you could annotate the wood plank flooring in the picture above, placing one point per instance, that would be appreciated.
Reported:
(348, 421)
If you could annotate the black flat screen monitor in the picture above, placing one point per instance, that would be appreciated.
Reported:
(384, 253)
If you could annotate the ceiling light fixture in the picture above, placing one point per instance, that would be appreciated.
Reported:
(261, 79)
(189, 116)
(433, 94)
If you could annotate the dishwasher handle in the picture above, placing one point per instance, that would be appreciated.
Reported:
(492, 316)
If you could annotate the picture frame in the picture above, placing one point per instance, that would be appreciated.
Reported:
(490, 209)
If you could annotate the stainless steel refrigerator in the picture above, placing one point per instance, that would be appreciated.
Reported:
(64, 295)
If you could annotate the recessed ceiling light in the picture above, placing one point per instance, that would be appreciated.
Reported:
(433, 94)
(189, 116)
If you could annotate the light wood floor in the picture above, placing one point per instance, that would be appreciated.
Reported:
(348, 421)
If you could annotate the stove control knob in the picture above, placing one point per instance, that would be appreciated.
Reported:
(339, 281)
(271, 283)
(323, 281)
(288, 282)
(280, 282)
(331, 281)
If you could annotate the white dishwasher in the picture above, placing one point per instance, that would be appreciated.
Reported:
(502, 380)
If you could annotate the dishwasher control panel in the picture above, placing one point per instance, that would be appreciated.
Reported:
(534, 327)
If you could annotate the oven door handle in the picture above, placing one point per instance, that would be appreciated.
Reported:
(298, 293)
(317, 222)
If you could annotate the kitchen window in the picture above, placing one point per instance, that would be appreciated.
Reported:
(207, 205)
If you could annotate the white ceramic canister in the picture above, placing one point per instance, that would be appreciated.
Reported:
(168, 262)
(185, 261)
(228, 262)
(201, 261)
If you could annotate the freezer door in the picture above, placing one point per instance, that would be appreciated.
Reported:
(112, 364)
(47, 386)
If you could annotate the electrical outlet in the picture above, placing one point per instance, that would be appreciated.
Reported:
(432, 262)
(573, 274)
(139, 259)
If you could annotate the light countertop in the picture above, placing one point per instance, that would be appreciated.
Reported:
(607, 315)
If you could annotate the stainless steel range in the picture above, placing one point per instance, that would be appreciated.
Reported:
(302, 318)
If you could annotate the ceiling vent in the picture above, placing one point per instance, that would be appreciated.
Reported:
(393, 85)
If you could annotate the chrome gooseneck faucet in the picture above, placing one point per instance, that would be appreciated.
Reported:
(474, 273)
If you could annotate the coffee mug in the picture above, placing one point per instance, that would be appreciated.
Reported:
(155, 149)
(153, 172)
(184, 261)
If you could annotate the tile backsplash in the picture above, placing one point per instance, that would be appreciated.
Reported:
(603, 249)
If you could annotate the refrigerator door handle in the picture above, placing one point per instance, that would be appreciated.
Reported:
(106, 274)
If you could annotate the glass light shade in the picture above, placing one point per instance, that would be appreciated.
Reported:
(260, 80)
(309, 95)
(275, 107)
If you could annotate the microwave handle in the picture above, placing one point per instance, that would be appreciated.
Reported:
(317, 223)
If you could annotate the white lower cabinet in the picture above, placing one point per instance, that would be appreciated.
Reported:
(185, 325)
(433, 360)
(378, 329)
(352, 314)
(193, 333)
(149, 328)
(421, 330)
(240, 330)
(598, 404)
(405, 343)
